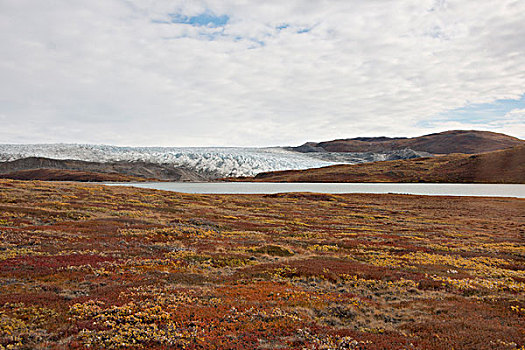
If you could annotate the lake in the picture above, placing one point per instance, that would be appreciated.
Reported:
(492, 190)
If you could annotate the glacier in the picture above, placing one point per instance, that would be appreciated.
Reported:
(212, 161)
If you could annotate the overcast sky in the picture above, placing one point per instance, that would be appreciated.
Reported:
(257, 73)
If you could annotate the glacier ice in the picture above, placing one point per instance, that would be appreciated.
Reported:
(223, 161)
(209, 161)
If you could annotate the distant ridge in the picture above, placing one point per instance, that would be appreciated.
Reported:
(504, 166)
(39, 168)
(454, 141)
(70, 175)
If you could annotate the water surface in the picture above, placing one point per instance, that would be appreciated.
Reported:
(491, 190)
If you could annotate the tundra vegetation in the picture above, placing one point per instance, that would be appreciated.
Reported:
(90, 266)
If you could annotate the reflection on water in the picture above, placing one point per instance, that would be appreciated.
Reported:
(492, 190)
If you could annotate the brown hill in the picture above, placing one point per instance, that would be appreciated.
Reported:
(506, 166)
(454, 141)
(70, 175)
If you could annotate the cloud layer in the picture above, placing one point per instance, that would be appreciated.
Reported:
(255, 73)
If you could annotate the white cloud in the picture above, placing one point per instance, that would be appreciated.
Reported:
(110, 72)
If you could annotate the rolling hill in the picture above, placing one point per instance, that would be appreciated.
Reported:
(505, 166)
(453, 141)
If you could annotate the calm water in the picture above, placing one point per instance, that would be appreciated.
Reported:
(267, 187)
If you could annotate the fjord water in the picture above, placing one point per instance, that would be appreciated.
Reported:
(489, 190)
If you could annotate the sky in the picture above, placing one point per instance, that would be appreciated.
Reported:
(257, 73)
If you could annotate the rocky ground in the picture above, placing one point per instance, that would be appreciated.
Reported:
(39, 168)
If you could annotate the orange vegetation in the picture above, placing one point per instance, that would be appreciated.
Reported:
(85, 266)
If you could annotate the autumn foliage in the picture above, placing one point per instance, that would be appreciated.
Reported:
(88, 266)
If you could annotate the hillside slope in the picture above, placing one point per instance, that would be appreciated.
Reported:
(70, 175)
(454, 141)
(507, 166)
(18, 169)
